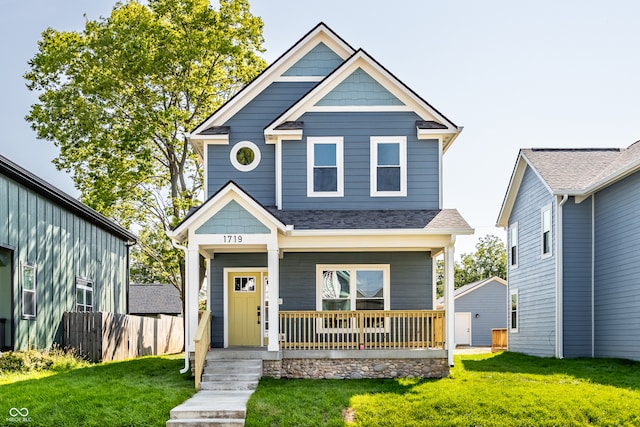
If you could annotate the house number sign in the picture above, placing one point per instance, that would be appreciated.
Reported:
(232, 238)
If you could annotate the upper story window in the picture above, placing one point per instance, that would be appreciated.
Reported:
(325, 167)
(388, 166)
(245, 156)
(84, 294)
(546, 231)
(513, 245)
(29, 299)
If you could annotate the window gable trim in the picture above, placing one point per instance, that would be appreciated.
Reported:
(375, 165)
(338, 141)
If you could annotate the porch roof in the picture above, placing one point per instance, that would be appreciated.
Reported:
(444, 220)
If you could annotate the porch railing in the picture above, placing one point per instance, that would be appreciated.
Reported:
(366, 329)
(202, 341)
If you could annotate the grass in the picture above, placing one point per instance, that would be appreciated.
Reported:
(138, 392)
(504, 389)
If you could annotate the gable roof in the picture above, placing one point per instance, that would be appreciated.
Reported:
(577, 172)
(433, 122)
(321, 33)
(154, 299)
(474, 286)
(59, 197)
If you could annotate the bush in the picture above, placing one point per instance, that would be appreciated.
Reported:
(55, 359)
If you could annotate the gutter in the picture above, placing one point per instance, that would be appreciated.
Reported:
(175, 244)
(559, 281)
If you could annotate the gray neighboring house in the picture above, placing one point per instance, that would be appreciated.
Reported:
(480, 307)
(154, 299)
(574, 252)
(56, 255)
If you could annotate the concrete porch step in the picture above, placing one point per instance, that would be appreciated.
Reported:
(219, 366)
(212, 408)
(206, 422)
(231, 376)
(230, 385)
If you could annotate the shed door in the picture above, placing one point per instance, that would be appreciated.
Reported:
(245, 308)
(463, 328)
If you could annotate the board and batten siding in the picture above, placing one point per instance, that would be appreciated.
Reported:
(534, 277)
(63, 246)
(423, 179)
(617, 270)
(248, 125)
(577, 274)
(489, 302)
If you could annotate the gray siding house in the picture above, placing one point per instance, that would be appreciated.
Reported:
(480, 307)
(574, 252)
(56, 255)
(324, 205)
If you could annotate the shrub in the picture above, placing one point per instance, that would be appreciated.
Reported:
(55, 359)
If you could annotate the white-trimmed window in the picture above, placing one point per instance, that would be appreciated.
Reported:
(29, 295)
(546, 231)
(325, 166)
(84, 294)
(513, 310)
(513, 245)
(388, 166)
(353, 287)
(245, 156)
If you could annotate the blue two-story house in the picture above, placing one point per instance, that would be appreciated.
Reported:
(323, 216)
(574, 252)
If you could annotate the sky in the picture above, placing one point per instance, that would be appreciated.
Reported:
(515, 75)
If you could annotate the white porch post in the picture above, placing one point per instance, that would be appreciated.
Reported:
(192, 284)
(448, 300)
(273, 266)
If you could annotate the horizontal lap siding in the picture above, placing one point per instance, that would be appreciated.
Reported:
(577, 274)
(63, 246)
(617, 270)
(489, 302)
(357, 128)
(534, 278)
(248, 125)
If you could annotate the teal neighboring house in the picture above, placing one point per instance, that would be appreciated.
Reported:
(56, 255)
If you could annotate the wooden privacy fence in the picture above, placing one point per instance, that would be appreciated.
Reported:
(366, 329)
(499, 339)
(102, 337)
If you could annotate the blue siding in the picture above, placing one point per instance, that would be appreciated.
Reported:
(248, 125)
(319, 61)
(63, 246)
(534, 278)
(576, 255)
(617, 270)
(357, 128)
(359, 89)
(232, 218)
(489, 302)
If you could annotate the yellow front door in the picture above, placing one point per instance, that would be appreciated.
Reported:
(245, 314)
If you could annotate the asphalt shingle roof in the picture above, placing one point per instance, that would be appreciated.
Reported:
(154, 299)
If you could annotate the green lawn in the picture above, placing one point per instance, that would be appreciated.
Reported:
(138, 392)
(504, 389)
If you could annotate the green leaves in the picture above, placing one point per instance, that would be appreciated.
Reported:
(117, 97)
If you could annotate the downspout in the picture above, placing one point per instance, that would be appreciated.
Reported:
(559, 281)
(593, 275)
(175, 244)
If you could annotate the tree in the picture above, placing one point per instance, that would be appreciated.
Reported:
(117, 97)
(489, 259)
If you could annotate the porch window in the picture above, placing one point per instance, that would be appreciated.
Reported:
(325, 167)
(513, 296)
(361, 287)
(388, 166)
(29, 296)
(513, 245)
(546, 231)
(84, 294)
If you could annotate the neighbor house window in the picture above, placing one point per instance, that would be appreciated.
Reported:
(325, 167)
(84, 294)
(513, 245)
(29, 299)
(546, 231)
(353, 287)
(513, 297)
(388, 166)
